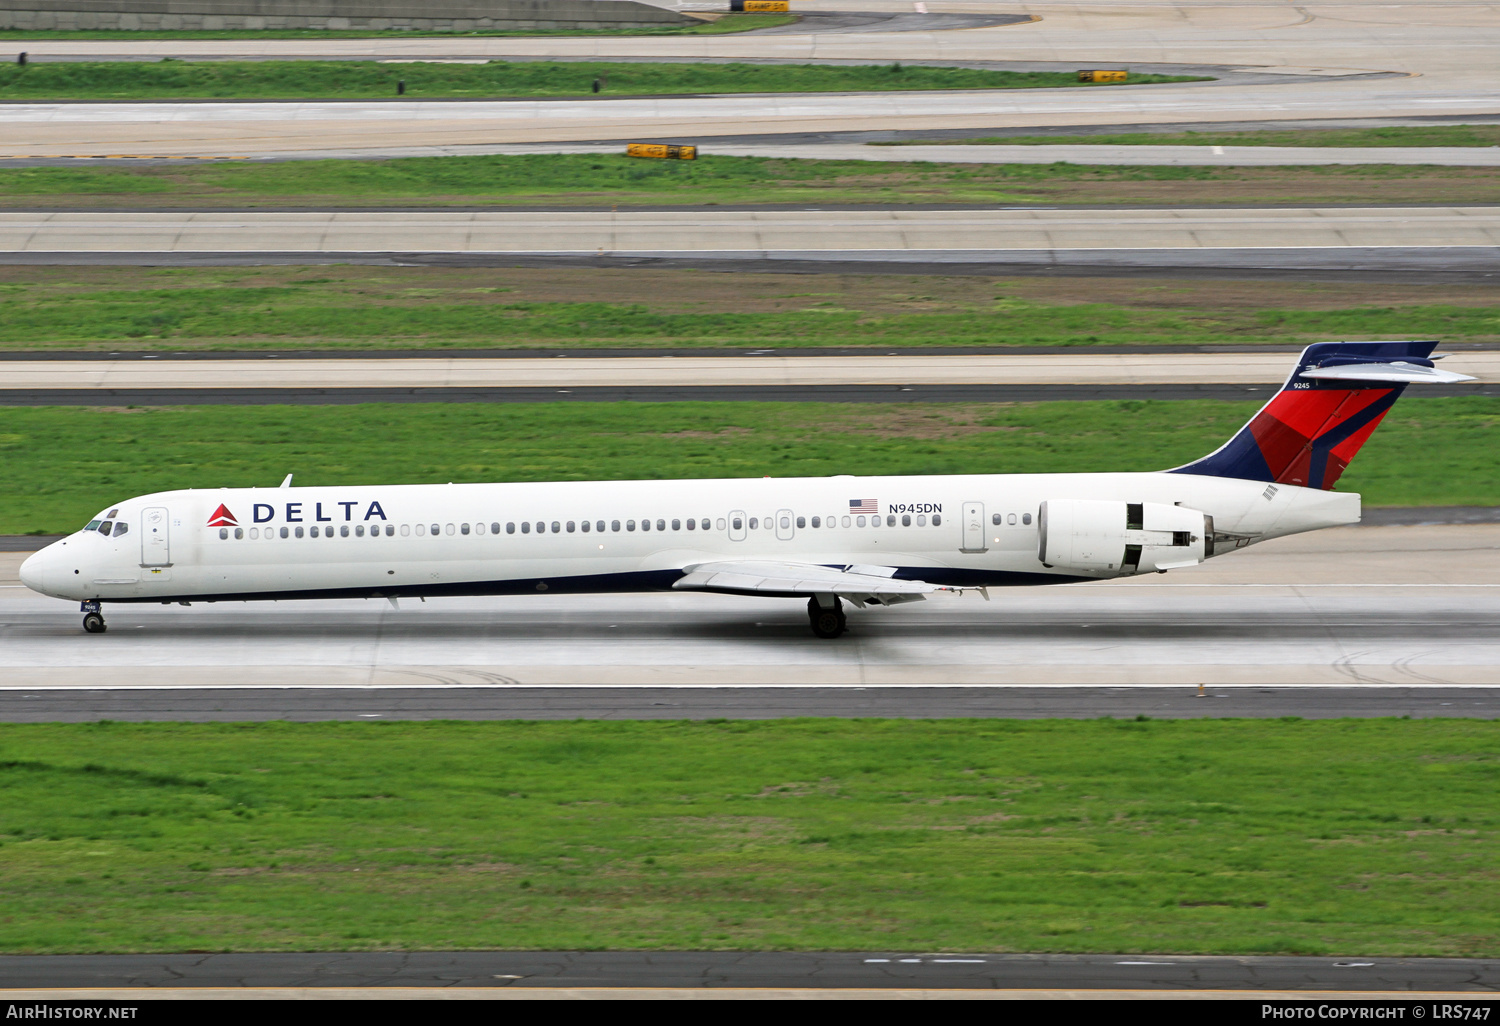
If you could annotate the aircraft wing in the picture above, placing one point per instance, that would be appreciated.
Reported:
(858, 584)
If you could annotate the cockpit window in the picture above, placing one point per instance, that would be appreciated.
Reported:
(92, 525)
(121, 528)
(106, 527)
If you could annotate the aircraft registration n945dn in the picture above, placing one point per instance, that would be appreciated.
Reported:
(868, 540)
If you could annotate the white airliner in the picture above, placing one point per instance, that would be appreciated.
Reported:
(870, 540)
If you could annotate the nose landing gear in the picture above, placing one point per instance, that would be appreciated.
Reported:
(826, 622)
(93, 619)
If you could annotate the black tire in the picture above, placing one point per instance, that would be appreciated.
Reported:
(825, 623)
(94, 623)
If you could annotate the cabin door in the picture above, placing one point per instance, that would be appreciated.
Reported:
(156, 538)
(973, 526)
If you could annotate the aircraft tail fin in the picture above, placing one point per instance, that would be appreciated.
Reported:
(1332, 402)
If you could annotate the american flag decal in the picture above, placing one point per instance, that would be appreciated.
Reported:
(863, 506)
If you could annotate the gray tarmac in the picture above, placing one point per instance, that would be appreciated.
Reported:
(649, 394)
(1363, 608)
(877, 970)
(313, 704)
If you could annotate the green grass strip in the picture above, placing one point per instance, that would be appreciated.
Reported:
(378, 313)
(1342, 837)
(264, 80)
(64, 464)
(1400, 135)
(603, 179)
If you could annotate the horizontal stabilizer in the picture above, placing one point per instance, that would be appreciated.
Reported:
(757, 577)
(1399, 370)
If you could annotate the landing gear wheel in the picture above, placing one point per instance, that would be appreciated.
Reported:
(94, 623)
(826, 623)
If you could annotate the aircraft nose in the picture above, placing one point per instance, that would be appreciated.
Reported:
(32, 572)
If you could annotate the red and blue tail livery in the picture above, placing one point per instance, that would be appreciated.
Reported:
(1332, 402)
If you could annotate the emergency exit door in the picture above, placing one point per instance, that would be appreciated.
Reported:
(973, 524)
(156, 539)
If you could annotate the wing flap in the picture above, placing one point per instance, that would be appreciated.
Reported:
(791, 580)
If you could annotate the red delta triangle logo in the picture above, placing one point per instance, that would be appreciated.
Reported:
(222, 518)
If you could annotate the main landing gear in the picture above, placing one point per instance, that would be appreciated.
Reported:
(93, 619)
(826, 621)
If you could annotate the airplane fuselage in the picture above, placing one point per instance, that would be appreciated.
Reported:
(486, 539)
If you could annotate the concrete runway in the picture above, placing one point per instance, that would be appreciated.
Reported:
(494, 973)
(1405, 607)
(1082, 369)
(1335, 60)
(1448, 235)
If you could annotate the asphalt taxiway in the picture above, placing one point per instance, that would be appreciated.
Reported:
(1372, 607)
(885, 972)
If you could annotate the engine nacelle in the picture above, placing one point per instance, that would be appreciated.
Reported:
(1115, 538)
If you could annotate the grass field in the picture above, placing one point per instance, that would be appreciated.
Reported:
(117, 308)
(725, 23)
(270, 80)
(64, 464)
(1401, 135)
(1373, 837)
(601, 180)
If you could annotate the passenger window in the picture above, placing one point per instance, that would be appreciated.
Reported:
(614, 525)
(905, 520)
(463, 528)
(995, 519)
(495, 527)
(406, 530)
(239, 533)
(313, 531)
(284, 532)
(860, 522)
(801, 521)
(421, 530)
(599, 526)
(254, 533)
(720, 524)
(223, 533)
(434, 529)
(691, 524)
(526, 527)
(738, 523)
(890, 521)
(556, 527)
(510, 528)
(661, 525)
(1011, 519)
(630, 525)
(921, 520)
(845, 522)
(448, 530)
(703, 523)
(478, 528)
(359, 530)
(299, 532)
(570, 527)
(676, 525)
(1026, 518)
(541, 527)
(937, 520)
(585, 526)
(645, 525)
(816, 521)
(754, 524)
